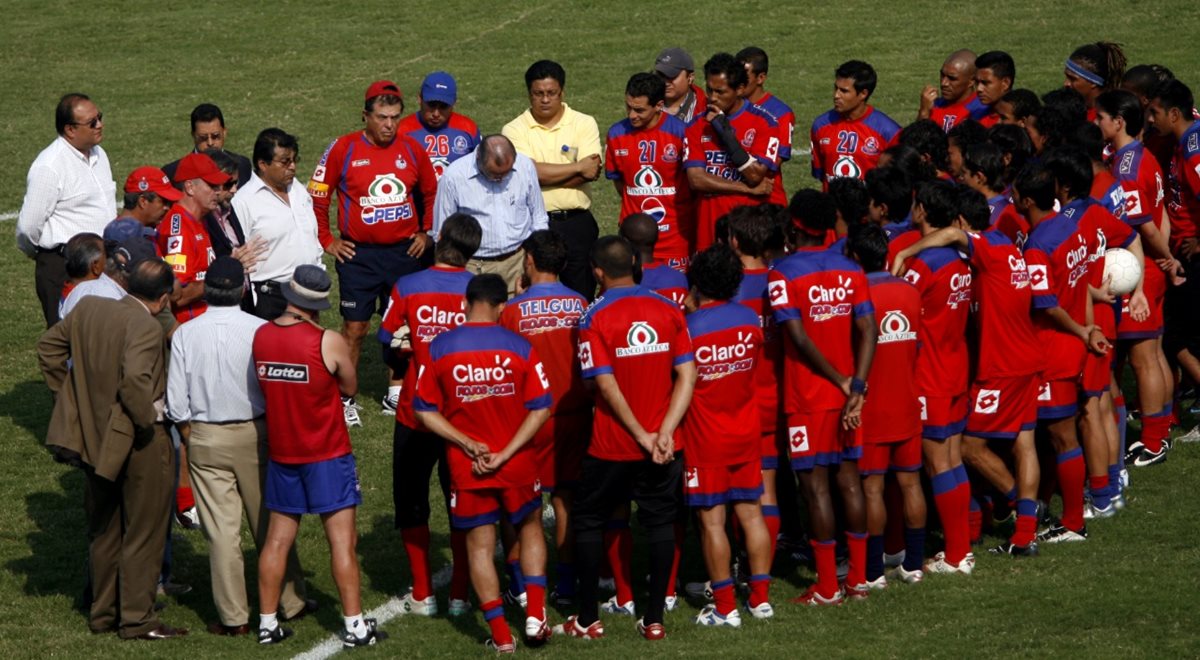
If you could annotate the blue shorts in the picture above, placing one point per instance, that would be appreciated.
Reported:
(368, 278)
(321, 487)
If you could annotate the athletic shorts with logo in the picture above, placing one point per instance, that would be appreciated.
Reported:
(706, 487)
(943, 416)
(476, 507)
(901, 455)
(1003, 407)
(1058, 399)
(818, 439)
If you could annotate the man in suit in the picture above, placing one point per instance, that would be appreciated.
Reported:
(208, 132)
(107, 369)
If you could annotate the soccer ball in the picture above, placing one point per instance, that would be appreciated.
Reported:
(1122, 270)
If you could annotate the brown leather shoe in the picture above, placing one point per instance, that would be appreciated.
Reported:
(310, 606)
(163, 631)
(218, 628)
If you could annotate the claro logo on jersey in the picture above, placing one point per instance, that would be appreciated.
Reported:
(283, 372)
(894, 327)
(642, 340)
(717, 361)
(1020, 273)
(648, 181)
(433, 321)
(830, 302)
(385, 201)
(960, 290)
(479, 382)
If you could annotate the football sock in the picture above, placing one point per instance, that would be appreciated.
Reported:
(825, 557)
(460, 578)
(1155, 427)
(874, 557)
(1012, 497)
(516, 579)
(723, 597)
(268, 621)
(416, 545)
(962, 504)
(1071, 474)
(662, 555)
(1026, 527)
(914, 548)
(618, 545)
(760, 589)
(493, 611)
(974, 519)
(393, 391)
(856, 545)
(355, 625)
(589, 554)
(1100, 490)
(535, 591)
(184, 499)
(1114, 477)
(945, 495)
(771, 517)
(566, 579)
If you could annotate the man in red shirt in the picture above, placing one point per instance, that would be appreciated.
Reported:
(182, 238)
(757, 63)
(995, 74)
(848, 140)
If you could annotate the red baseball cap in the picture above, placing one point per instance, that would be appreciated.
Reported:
(200, 166)
(381, 87)
(151, 179)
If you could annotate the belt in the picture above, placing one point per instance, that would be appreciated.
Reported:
(498, 257)
(231, 421)
(54, 250)
(269, 287)
(563, 215)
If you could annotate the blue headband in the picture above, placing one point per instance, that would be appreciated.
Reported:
(1084, 73)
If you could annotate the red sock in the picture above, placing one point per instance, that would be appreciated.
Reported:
(974, 521)
(825, 557)
(535, 591)
(857, 545)
(1118, 404)
(1071, 474)
(773, 522)
(962, 523)
(184, 499)
(760, 589)
(723, 596)
(893, 533)
(1154, 429)
(460, 579)
(1026, 527)
(618, 545)
(416, 545)
(680, 530)
(493, 611)
(1098, 483)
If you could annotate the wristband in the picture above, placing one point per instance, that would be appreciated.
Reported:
(858, 386)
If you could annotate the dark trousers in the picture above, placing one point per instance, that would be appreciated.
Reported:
(49, 276)
(414, 454)
(1182, 313)
(580, 231)
(269, 303)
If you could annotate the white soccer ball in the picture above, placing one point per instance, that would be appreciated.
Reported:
(1123, 271)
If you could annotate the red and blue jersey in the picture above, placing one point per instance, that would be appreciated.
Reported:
(1183, 205)
(785, 121)
(850, 147)
(665, 281)
(484, 380)
(826, 292)
(752, 293)
(944, 282)
(428, 303)
(184, 244)
(1103, 230)
(721, 425)
(385, 194)
(638, 337)
(1057, 256)
(547, 316)
(648, 166)
(949, 115)
(892, 411)
(445, 145)
(1007, 220)
(1142, 182)
(1108, 193)
(1007, 343)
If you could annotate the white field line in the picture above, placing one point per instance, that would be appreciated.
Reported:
(11, 215)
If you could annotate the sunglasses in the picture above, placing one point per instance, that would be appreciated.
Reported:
(94, 122)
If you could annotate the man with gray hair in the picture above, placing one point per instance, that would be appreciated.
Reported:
(499, 188)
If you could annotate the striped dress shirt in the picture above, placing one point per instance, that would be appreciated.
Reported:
(211, 377)
(508, 210)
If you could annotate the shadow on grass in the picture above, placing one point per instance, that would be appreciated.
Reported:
(57, 559)
(28, 405)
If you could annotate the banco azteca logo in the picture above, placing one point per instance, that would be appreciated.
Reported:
(895, 326)
(641, 339)
(647, 177)
(385, 189)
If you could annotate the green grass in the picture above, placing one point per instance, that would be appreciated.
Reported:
(1129, 591)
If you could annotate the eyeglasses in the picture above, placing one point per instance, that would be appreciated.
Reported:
(286, 162)
(230, 184)
(94, 122)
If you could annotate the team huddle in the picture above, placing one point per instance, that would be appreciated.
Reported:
(950, 312)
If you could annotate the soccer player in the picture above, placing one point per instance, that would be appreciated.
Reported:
(889, 200)
(446, 135)
(485, 391)
(732, 152)
(821, 300)
(640, 230)
(634, 345)
(643, 157)
(847, 140)
(721, 464)
(182, 238)
(1093, 69)
(1015, 106)
(931, 142)
(756, 63)
(385, 187)
(956, 101)
(995, 74)
(547, 315)
(963, 135)
(983, 171)
(683, 98)
(422, 306)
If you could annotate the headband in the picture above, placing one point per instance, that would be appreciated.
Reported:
(1074, 68)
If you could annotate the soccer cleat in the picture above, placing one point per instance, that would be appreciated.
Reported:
(189, 519)
(458, 607)
(699, 590)
(906, 576)
(939, 564)
(501, 649)
(857, 591)
(1010, 548)
(1059, 534)
(350, 411)
(878, 584)
(1143, 457)
(671, 603)
(761, 611)
(1124, 479)
(814, 598)
(653, 632)
(843, 569)
(1043, 514)
(273, 636)
(1093, 512)
(373, 636)
(537, 632)
(571, 628)
(1119, 501)
(1191, 436)
(561, 600)
(709, 616)
(389, 404)
(521, 599)
(425, 607)
(893, 560)
(613, 607)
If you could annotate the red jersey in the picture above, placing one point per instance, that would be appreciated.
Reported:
(385, 194)
(849, 148)
(1103, 231)
(1007, 220)
(638, 337)
(721, 425)
(1057, 255)
(428, 302)
(665, 281)
(1108, 193)
(305, 423)
(1003, 301)
(825, 291)
(769, 373)
(891, 410)
(944, 281)
(484, 380)
(183, 241)
(1183, 206)
(785, 121)
(757, 133)
(648, 166)
(1142, 182)
(948, 115)
(547, 316)
(447, 144)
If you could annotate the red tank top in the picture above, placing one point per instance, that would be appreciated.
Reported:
(305, 423)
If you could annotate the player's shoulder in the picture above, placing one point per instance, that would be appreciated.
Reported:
(759, 115)
(824, 120)
(1190, 142)
(723, 316)
(673, 125)
(463, 123)
(620, 129)
(883, 280)
(936, 258)
(881, 123)
(410, 123)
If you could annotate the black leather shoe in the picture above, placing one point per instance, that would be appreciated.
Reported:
(310, 606)
(218, 628)
(163, 631)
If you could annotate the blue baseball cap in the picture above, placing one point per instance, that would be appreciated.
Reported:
(439, 86)
(123, 229)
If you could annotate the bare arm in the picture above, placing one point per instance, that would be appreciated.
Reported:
(568, 175)
(1090, 335)
(813, 356)
(940, 238)
(611, 393)
(336, 353)
(701, 181)
(681, 397)
(437, 423)
(864, 354)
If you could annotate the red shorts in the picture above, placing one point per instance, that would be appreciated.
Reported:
(479, 507)
(943, 416)
(769, 446)
(558, 450)
(902, 455)
(1058, 399)
(1097, 374)
(818, 439)
(1003, 407)
(1154, 285)
(705, 487)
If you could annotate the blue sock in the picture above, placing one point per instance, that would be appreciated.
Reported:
(874, 557)
(1122, 423)
(1011, 496)
(516, 579)
(914, 548)
(566, 579)
(1114, 477)
(960, 474)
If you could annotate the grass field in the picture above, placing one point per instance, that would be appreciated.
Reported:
(1129, 591)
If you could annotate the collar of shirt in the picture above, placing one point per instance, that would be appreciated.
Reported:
(92, 156)
(567, 117)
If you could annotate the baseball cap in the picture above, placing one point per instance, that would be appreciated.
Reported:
(673, 60)
(131, 251)
(200, 166)
(381, 87)
(123, 229)
(308, 288)
(225, 273)
(152, 179)
(439, 86)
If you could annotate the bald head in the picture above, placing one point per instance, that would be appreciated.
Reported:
(641, 231)
(958, 76)
(495, 156)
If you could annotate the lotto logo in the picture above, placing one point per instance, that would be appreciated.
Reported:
(924, 409)
(174, 244)
(1037, 277)
(453, 499)
(1044, 392)
(585, 355)
(798, 439)
(987, 402)
(693, 478)
(541, 373)
(777, 292)
(912, 276)
(537, 485)
(284, 372)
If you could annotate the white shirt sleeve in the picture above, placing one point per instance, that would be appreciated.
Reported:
(178, 401)
(41, 195)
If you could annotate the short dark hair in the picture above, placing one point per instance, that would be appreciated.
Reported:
(814, 210)
(1143, 78)
(64, 112)
(131, 198)
(779, 219)
(1103, 58)
(868, 243)
(752, 227)
(640, 229)
(270, 139)
(966, 133)
(938, 200)
(973, 207)
(929, 139)
(724, 64)
(487, 288)
(221, 297)
(223, 161)
(458, 239)
(1013, 142)
(1175, 94)
(716, 272)
(987, 159)
(1071, 169)
(542, 69)
(1054, 123)
(206, 112)
(548, 250)
(80, 252)
(649, 85)
(1024, 102)
(755, 57)
(999, 62)
(906, 158)
(890, 186)
(861, 73)
(1124, 104)
(1069, 101)
(850, 198)
(150, 280)
(1035, 183)
(613, 255)
(1087, 136)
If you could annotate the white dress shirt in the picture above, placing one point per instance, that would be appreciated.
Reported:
(67, 193)
(103, 286)
(211, 377)
(508, 210)
(290, 228)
